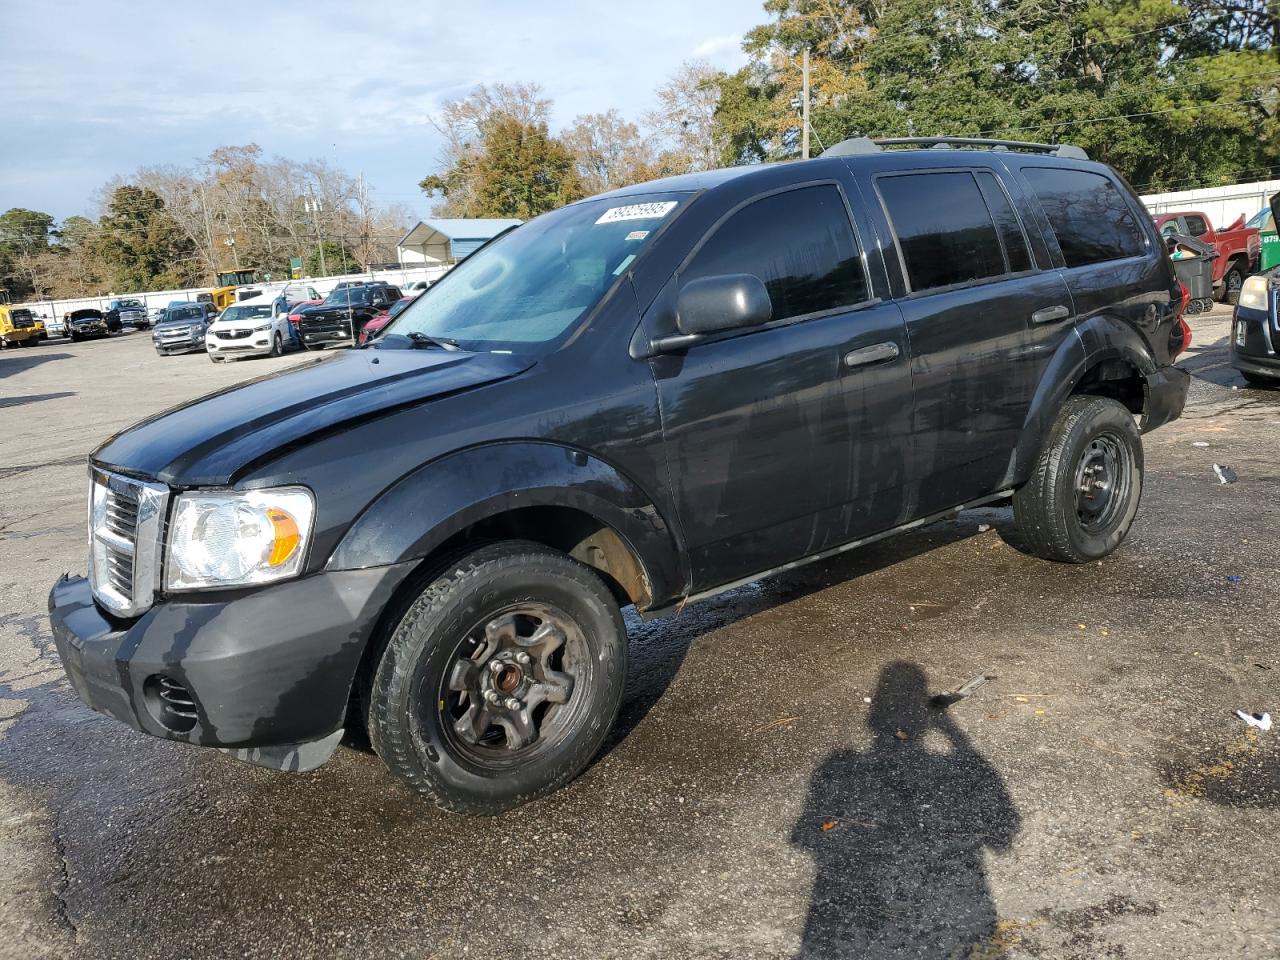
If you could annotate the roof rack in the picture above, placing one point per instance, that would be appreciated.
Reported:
(861, 145)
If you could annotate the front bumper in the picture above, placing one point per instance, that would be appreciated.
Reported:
(319, 338)
(269, 670)
(258, 344)
(1254, 336)
(1166, 396)
(170, 347)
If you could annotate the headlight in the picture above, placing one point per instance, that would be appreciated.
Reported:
(264, 327)
(235, 539)
(1253, 295)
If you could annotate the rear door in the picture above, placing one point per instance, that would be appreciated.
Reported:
(790, 438)
(974, 287)
(1105, 245)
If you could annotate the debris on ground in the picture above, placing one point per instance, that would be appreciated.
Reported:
(829, 825)
(1234, 578)
(1200, 443)
(1260, 720)
(901, 734)
(984, 527)
(780, 722)
(1225, 474)
(948, 697)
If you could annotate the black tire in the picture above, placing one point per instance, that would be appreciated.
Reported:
(1260, 380)
(418, 700)
(75, 338)
(277, 346)
(1085, 488)
(30, 341)
(1232, 281)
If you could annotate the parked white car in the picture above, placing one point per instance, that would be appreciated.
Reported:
(258, 326)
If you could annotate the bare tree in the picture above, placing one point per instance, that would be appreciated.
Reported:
(684, 120)
(608, 151)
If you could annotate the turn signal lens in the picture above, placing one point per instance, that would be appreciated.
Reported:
(287, 537)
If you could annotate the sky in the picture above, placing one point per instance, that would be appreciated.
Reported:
(96, 89)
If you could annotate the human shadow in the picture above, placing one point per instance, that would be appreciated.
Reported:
(898, 834)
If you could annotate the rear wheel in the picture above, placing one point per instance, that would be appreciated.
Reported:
(1084, 491)
(501, 680)
(1232, 281)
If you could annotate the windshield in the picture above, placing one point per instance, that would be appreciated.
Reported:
(348, 296)
(535, 283)
(1261, 221)
(129, 303)
(241, 312)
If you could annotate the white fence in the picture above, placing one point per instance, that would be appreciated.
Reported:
(1223, 205)
(55, 310)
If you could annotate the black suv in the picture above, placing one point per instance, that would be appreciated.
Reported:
(344, 313)
(641, 398)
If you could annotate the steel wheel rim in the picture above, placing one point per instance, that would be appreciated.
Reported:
(515, 685)
(1102, 482)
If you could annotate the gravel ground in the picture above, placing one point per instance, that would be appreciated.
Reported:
(778, 785)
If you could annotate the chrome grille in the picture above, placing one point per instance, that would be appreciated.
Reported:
(126, 525)
(233, 334)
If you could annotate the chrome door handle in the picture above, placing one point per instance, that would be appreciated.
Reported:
(1050, 314)
(872, 354)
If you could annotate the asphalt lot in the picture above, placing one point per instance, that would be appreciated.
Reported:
(778, 785)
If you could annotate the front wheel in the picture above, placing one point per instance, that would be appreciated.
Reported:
(277, 346)
(501, 680)
(1259, 380)
(1084, 490)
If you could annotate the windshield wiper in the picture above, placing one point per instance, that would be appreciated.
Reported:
(423, 340)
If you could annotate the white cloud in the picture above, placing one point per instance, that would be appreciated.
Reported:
(713, 47)
(139, 82)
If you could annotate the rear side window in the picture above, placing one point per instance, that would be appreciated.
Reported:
(1091, 219)
(799, 243)
(944, 229)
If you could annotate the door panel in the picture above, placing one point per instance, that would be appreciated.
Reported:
(778, 448)
(975, 364)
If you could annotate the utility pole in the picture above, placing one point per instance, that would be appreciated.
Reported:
(804, 125)
(315, 225)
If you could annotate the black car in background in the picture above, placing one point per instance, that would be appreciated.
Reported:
(642, 398)
(85, 324)
(127, 312)
(344, 313)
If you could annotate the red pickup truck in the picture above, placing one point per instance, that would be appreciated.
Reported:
(1238, 248)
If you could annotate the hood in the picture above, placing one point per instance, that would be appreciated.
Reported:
(213, 440)
(190, 321)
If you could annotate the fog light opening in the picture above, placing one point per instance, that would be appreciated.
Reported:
(170, 703)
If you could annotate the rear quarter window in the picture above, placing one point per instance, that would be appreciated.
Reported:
(1090, 217)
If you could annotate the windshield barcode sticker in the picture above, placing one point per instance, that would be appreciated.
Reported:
(638, 211)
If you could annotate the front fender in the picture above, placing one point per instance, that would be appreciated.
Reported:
(425, 508)
(1095, 340)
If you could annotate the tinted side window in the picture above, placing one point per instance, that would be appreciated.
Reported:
(1092, 221)
(943, 227)
(800, 243)
(1011, 235)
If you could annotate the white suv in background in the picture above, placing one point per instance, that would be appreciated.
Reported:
(255, 327)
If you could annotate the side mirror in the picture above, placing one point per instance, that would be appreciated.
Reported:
(726, 302)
